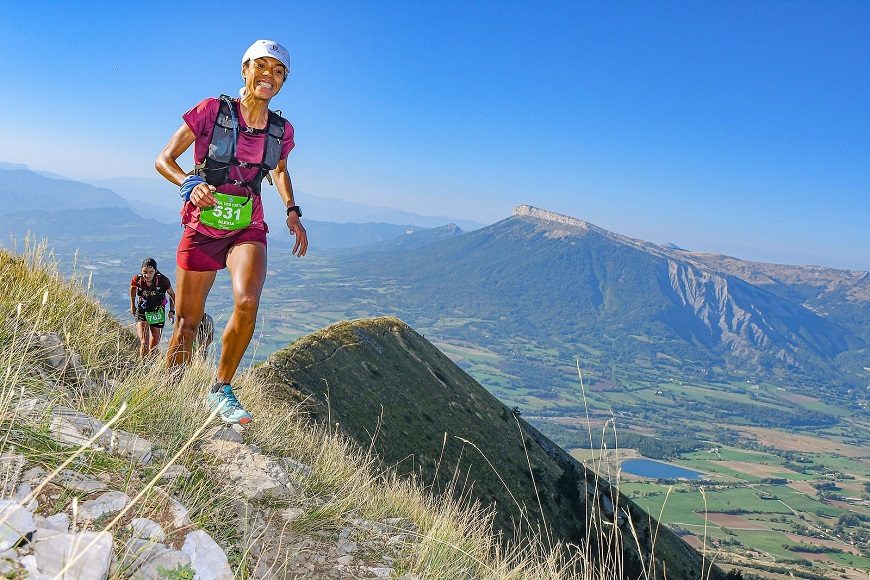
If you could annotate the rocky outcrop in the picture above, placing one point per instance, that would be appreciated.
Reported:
(69, 543)
(536, 212)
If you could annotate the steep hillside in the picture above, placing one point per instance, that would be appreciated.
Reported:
(387, 387)
(559, 280)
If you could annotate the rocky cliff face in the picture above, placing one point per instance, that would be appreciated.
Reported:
(740, 325)
(750, 313)
(389, 388)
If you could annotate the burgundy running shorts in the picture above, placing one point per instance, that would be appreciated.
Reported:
(200, 253)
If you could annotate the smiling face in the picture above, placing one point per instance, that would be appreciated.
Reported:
(264, 77)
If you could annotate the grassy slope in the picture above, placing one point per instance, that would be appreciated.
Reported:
(384, 383)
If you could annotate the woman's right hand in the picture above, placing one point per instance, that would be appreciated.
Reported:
(201, 196)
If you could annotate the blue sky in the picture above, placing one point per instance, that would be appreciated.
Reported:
(737, 127)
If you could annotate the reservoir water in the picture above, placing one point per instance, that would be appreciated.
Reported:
(659, 470)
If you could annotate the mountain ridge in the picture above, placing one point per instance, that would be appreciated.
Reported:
(390, 390)
(606, 288)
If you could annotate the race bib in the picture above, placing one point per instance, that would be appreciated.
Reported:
(156, 317)
(232, 212)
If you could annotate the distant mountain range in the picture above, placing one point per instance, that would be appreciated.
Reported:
(76, 214)
(157, 191)
(563, 281)
(24, 190)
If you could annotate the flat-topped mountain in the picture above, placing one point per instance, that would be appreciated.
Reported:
(387, 387)
(565, 281)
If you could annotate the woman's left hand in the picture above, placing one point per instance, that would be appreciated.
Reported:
(294, 224)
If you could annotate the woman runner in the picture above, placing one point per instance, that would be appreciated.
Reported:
(148, 291)
(236, 142)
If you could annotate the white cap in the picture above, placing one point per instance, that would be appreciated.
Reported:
(271, 48)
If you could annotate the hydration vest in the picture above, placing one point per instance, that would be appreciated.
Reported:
(156, 293)
(222, 148)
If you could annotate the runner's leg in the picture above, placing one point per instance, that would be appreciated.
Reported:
(246, 263)
(191, 290)
(154, 339)
(142, 333)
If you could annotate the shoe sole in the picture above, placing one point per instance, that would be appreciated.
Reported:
(243, 421)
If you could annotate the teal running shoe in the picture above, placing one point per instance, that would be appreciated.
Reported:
(232, 411)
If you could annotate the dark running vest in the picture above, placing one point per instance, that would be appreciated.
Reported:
(151, 298)
(222, 148)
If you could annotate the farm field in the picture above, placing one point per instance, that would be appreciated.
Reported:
(785, 524)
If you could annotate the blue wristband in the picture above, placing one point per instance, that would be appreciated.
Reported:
(188, 185)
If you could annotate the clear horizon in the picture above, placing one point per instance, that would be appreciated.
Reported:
(736, 129)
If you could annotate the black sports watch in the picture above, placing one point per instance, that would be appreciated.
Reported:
(295, 208)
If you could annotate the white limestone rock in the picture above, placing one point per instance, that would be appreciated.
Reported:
(84, 556)
(75, 481)
(28, 562)
(9, 564)
(295, 467)
(42, 533)
(65, 361)
(292, 513)
(34, 475)
(16, 523)
(207, 558)
(346, 546)
(146, 529)
(131, 445)
(180, 514)
(108, 503)
(252, 474)
(174, 472)
(22, 493)
(66, 432)
(145, 560)
(59, 521)
(86, 424)
(53, 350)
(8, 567)
(223, 433)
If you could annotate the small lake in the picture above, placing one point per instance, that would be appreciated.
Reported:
(658, 470)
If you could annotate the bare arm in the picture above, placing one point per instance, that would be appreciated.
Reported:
(294, 224)
(171, 293)
(132, 299)
(167, 166)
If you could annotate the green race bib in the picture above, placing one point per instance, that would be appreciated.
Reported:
(232, 212)
(156, 317)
